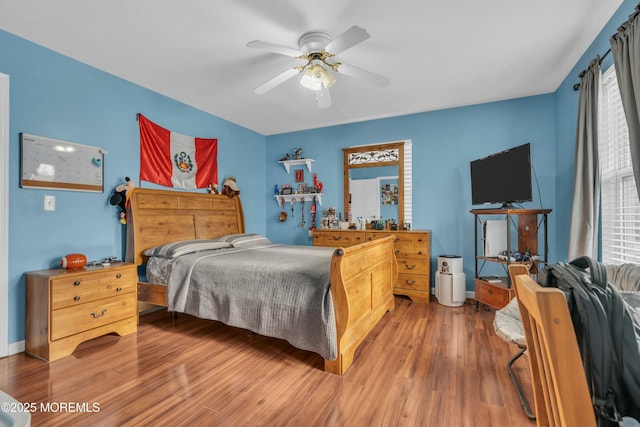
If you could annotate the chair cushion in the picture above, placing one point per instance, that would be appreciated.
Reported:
(507, 324)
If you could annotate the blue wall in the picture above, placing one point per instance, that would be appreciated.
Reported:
(444, 142)
(57, 97)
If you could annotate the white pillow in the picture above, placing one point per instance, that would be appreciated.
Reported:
(245, 240)
(175, 249)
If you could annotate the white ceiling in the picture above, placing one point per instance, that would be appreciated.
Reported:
(437, 54)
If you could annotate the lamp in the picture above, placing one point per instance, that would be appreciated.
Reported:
(317, 78)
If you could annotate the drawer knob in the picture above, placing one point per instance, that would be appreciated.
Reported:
(397, 252)
(118, 276)
(357, 238)
(410, 267)
(490, 291)
(419, 252)
(95, 316)
(76, 298)
(410, 282)
(419, 240)
(397, 239)
(118, 289)
(337, 237)
(76, 283)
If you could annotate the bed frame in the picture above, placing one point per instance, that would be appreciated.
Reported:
(362, 276)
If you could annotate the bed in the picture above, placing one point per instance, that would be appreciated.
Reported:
(360, 278)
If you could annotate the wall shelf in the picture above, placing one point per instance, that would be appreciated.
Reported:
(289, 198)
(288, 163)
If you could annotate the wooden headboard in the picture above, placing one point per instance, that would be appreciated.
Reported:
(155, 217)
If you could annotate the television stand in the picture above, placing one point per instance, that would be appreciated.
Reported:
(527, 227)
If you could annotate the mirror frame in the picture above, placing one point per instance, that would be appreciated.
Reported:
(367, 156)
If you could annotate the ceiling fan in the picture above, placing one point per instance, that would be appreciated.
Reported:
(317, 49)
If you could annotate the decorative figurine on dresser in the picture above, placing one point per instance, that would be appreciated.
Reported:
(67, 306)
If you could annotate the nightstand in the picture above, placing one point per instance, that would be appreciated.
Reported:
(66, 307)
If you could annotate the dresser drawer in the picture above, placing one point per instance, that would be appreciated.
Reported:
(410, 243)
(413, 266)
(338, 238)
(496, 296)
(421, 243)
(412, 281)
(411, 252)
(72, 320)
(400, 238)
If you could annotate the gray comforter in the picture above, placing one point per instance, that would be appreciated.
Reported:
(279, 291)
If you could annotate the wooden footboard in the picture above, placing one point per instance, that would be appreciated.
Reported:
(362, 279)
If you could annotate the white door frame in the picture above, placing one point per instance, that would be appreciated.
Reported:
(4, 215)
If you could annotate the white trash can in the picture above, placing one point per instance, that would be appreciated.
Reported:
(450, 281)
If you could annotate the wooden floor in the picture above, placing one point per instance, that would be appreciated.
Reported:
(423, 365)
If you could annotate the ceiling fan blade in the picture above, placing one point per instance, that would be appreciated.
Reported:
(279, 79)
(364, 75)
(349, 38)
(323, 98)
(282, 50)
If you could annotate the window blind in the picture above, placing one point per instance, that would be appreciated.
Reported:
(619, 199)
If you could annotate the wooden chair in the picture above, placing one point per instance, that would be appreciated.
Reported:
(560, 389)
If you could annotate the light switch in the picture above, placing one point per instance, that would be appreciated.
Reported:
(49, 203)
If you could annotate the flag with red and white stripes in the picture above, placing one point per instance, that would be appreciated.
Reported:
(173, 160)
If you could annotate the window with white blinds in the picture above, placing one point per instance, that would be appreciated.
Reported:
(619, 198)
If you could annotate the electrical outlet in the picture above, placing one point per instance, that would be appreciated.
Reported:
(49, 203)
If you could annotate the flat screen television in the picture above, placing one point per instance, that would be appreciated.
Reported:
(503, 177)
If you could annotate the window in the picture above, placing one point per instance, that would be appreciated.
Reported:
(619, 198)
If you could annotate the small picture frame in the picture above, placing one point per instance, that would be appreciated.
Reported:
(285, 191)
(299, 175)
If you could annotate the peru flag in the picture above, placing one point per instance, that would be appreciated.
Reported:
(173, 160)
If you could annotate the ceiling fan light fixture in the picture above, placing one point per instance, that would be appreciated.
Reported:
(317, 78)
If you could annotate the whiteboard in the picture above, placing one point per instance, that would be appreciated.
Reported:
(60, 165)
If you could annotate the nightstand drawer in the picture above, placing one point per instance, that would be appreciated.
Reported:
(118, 283)
(67, 292)
(80, 318)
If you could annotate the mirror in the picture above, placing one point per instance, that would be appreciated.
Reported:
(376, 181)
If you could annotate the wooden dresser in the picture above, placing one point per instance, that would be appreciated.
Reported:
(68, 306)
(413, 252)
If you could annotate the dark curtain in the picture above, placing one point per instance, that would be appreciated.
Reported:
(625, 47)
(583, 235)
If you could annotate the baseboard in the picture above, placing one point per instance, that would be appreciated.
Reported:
(469, 294)
(16, 347)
